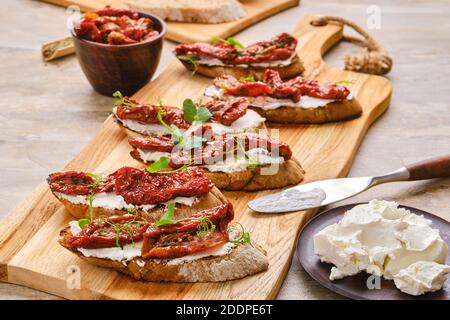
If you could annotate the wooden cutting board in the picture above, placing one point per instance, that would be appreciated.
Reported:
(192, 32)
(31, 256)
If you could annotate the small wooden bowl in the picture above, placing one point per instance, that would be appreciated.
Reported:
(125, 67)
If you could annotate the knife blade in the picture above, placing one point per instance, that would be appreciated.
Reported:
(324, 192)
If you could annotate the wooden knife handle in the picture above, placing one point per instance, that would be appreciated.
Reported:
(429, 169)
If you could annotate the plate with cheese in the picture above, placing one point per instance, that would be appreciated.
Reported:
(378, 250)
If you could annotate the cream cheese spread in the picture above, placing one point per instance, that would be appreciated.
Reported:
(421, 277)
(131, 251)
(231, 163)
(379, 238)
(251, 119)
(213, 62)
(110, 200)
(270, 103)
(126, 253)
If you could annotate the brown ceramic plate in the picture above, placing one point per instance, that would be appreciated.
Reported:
(355, 287)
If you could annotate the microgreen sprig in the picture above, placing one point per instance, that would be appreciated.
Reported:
(345, 82)
(91, 198)
(252, 163)
(193, 114)
(182, 140)
(231, 41)
(122, 101)
(192, 60)
(162, 165)
(205, 225)
(97, 178)
(167, 217)
(244, 236)
(248, 78)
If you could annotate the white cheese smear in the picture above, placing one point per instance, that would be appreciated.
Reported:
(270, 103)
(230, 163)
(421, 277)
(213, 62)
(110, 200)
(126, 253)
(131, 251)
(382, 239)
(251, 119)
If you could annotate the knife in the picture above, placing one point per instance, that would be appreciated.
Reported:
(324, 192)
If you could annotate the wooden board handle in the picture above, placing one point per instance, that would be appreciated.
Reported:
(429, 169)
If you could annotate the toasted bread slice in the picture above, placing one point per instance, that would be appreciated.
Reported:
(334, 111)
(212, 199)
(289, 173)
(286, 72)
(131, 133)
(241, 261)
(199, 11)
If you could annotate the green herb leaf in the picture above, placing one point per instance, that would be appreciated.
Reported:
(118, 96)
(96, 177)
(189, 110)
(205, 226)
(175, 132)
(167, 218)
(132, 210)
(91, 209)
(244, 237)
(83, 222)
(345, 82)
(252, 163)
(121, 100)
(193, 114)
(203, 114)
(192, 60)
(231, 41)
(235, 43)
(184, 167)
(161, 164)
(248, 78)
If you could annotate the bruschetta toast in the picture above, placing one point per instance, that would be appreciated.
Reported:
(246, 161)
(200, 248)
(131, 190)
(294, 101)
(223, 116)
(230, 57)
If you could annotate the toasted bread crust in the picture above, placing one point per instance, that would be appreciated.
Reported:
(243, 260)
(289, 173)
(286, 72)
(212, 199)
(334, 111)
(212, 11)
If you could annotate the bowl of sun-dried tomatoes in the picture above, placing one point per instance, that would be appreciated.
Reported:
(118, 49)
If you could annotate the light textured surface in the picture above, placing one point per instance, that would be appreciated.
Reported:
(256, 10)
(49, 111)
